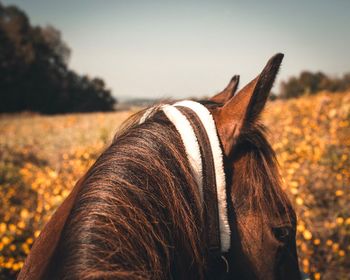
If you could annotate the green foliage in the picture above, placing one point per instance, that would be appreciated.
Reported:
(309, 83)
(34, 75)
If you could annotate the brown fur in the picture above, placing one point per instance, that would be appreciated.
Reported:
(137, 213)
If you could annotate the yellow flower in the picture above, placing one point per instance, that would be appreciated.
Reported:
(53, 174)
(341, 253)
(307, 234)
(16, 267)
(339, 192)
(5, 240)
(3, 227)
(335, 247)
(299, 201)
(12, 227)
(294, 191)
(340, 220)
(306, 263)
(8, 265)
(24, 214)
(294, 184)
(300, 227)
(317, 241)
(29, 240)
(25, 248)
(21, 224)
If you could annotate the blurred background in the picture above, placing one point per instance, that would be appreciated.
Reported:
(72, 71)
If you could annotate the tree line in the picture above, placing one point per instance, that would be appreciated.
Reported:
(308, 83)
(34, 73)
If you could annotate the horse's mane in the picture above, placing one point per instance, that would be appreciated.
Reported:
(138, 211)
(259, 180)
(139, 208)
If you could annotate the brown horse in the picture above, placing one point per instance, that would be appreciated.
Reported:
(137, 213)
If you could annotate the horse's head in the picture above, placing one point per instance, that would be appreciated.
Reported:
(261, 217)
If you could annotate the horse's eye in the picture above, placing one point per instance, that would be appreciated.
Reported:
(282, 234)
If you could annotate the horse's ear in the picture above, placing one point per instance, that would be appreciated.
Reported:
(228, 92)
(38, 261)
(245, 107)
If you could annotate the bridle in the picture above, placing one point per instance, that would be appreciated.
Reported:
(197, 129)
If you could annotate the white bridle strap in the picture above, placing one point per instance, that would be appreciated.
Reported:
(189, 140)
(208, 122)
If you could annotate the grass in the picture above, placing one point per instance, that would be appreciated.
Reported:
(41, 157)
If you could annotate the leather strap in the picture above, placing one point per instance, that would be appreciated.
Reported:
(209, 183)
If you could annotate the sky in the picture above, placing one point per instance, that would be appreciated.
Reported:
(162, 48)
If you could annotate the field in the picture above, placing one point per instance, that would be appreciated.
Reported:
(41, 157)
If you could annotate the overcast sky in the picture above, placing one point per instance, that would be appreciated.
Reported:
(179, 48)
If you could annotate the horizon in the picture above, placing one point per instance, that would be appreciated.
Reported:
(163, 49)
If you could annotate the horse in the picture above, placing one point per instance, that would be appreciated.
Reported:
(142, 211)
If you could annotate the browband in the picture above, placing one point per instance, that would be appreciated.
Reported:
(197, 129)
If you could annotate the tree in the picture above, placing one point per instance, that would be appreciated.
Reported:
(34, 74)
(291, 88)
(309, 83)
